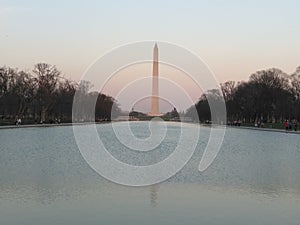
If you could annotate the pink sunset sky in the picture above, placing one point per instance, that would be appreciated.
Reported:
(234, 38)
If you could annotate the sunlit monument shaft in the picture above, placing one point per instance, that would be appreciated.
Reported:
(155, 98)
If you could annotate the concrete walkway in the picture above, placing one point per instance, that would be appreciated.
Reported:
(47, 125)
(266, 129)
(89, 123)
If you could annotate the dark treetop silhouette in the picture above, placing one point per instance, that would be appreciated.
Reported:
(44, 96)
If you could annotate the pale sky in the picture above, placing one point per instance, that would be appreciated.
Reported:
(234, 38)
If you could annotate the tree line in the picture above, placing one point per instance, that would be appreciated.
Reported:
(269, 96)
(43, 95)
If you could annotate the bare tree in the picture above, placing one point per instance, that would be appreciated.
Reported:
(46, 77)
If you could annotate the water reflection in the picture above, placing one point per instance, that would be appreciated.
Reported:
(256, 174)
(154, 195)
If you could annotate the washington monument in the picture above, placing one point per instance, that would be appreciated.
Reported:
(155, 97)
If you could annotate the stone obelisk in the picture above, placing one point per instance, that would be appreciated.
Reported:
(155, 97)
